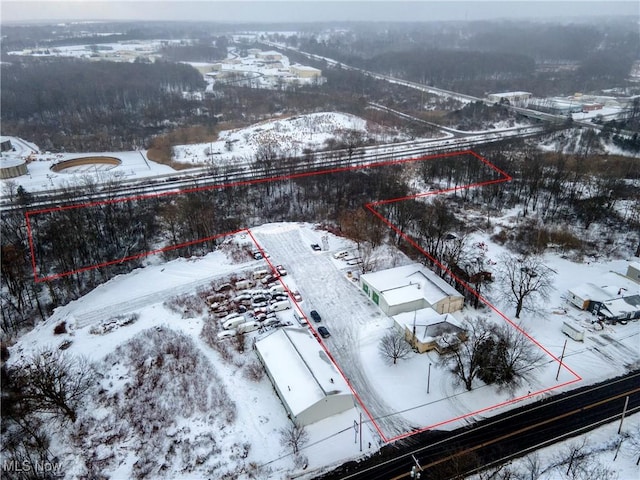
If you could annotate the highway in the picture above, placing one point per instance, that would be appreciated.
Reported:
(445, 455)
(207, 177)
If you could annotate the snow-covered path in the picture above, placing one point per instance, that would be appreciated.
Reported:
(126, 293)
(325, 288)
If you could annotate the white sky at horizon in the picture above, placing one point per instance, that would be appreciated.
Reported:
(269, 11)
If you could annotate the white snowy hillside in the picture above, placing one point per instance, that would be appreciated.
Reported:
(288, 136)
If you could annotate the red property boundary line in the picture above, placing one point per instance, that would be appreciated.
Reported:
(502, 177)
(33, 213)
(505, 178)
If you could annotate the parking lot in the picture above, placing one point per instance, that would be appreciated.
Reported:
(345, 311)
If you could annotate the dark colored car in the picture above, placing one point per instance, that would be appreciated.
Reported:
(324, 333)
(316, 247)
(315, 315)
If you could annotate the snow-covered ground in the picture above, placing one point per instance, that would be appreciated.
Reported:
(40, 176)
(603, 453)
(394, 397)
(289, 136)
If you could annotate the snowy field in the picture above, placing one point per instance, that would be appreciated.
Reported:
(289, 136)
(395, 398)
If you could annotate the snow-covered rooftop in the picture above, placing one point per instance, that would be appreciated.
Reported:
(428, 323)
(623, 306)
(589, 291)
(408, 283)
(302, 370)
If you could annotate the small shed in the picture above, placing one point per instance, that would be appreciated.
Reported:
(582, 295)
(573, 330)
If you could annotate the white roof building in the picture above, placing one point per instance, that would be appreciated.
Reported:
(425, 328)
(307, 381)
(408, 288)
(581, 295)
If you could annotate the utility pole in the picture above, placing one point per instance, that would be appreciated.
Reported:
(360, 431)
(561, 358)
(624, 412)
(428, 378)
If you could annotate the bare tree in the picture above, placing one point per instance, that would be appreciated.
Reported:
(582, 465)
(295, 436)
(464, 358)
(393, 346)
(524, 279)
(508, 357)
(633, 439)
(53, 382)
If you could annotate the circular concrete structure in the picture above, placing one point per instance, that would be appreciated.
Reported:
(12, 167)
(86, 164)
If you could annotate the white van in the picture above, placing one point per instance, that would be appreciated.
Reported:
(340, 255)
(279, 288)
(258, 274)
(299, 318)
(233, 322)
(226, 334)
(244, 284)
(279, 306)
(247, 327)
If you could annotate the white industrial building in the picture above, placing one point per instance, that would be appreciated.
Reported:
(517, 99)
(408, 288)
(307, 381)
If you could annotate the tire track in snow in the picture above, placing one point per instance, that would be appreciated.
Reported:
(325, 288)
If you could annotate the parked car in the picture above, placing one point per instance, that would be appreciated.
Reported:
(226, 334)
(324, 333)
(296, 296)
(315, 315)
(281, 270)
(315, 247)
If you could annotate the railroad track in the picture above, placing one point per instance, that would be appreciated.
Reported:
(211, 177)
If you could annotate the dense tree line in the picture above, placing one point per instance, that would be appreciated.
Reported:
(481, 57)
(202, 50)
(77, 105)
(548, 190)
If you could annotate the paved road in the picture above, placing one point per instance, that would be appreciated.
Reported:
(445, 455)
(326, 289)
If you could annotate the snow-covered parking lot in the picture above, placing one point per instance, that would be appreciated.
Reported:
(417, 393)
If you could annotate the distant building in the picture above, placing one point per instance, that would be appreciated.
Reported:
(307, 381)
(517, 99)
(408, 288)
(304, 71)
(611, 303)
(5, 144)
(427, 330)
(555, 106)
(590, 107)
(270, 56)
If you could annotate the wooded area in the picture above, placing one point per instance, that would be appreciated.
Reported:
(550, 190)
